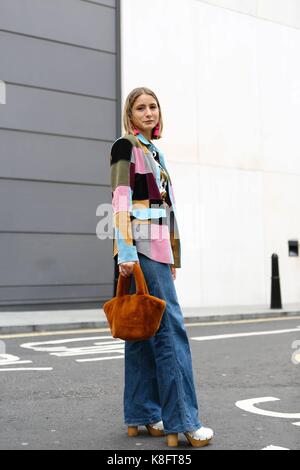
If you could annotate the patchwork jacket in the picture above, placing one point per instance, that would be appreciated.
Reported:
(144, 222)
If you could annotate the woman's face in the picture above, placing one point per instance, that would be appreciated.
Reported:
(145, 114)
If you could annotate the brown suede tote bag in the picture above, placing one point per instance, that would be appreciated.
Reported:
(134, 317)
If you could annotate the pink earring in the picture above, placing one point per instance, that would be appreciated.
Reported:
(155, 132)
(136, 131)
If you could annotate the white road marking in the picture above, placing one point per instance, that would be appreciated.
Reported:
(41, 345)
(296, 424)
(99, 359)
(9, 359)
(22, 369)
(243, 335)
(89, 350)
(274, 448)
(107, 345)
(239, 322)
(249, 405)
(14, 363)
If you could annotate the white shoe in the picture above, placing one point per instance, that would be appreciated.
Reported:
(199, 438)
(159, 426)
(202, 434)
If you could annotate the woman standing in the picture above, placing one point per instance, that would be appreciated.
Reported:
(159, 386)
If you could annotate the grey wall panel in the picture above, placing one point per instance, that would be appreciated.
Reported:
(35, 62)
(53, 158)
(47, 259)
(71, 21)
(57, 113)
(50, 207)
(59, 59)
(55, 294)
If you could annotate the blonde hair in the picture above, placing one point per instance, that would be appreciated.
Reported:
(127, 115)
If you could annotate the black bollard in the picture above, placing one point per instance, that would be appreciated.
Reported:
(275, 286)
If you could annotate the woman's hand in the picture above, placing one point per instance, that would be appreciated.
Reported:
(173, 271)
(126, 269)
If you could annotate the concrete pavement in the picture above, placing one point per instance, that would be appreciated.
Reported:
(65, 391)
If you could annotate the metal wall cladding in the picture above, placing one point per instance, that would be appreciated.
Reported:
(59, 60)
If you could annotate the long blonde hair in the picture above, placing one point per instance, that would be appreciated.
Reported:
(127, 115)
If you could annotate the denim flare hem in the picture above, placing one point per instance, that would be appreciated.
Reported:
(142, 422)
(187, 428)
(158, 372)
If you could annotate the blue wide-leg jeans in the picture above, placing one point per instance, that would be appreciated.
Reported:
(159, 383)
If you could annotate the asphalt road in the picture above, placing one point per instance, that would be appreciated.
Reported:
(65, 391)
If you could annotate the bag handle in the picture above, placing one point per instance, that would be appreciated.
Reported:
(140, 282)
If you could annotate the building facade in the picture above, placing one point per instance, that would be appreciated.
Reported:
(228, 78)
